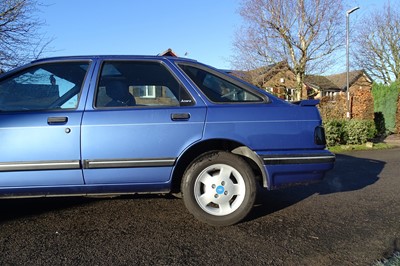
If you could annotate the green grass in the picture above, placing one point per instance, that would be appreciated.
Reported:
(345, 148)
(393, 261)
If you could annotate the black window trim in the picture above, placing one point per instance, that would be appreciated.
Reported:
(243, 85)
(36, 63)
(159, 61)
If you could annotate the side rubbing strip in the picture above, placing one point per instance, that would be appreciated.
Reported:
(40, 165)
(128, 163)
(290, 159)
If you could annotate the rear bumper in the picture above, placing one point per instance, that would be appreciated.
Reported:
(290, 168)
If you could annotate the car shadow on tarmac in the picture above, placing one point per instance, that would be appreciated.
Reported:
(12, 209)
(349, 174)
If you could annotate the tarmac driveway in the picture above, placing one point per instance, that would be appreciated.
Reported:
(351, 218)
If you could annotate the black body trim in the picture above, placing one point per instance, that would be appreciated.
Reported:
(39, 165)
(298, 159)
(87, 164)
(128, 163)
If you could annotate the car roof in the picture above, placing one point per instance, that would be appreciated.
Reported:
(113, 57)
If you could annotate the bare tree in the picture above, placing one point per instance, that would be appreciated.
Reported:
(20, 39)
(303, 33)
(378, 44)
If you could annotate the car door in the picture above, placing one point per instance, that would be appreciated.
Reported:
(40, 119)
(141, 120)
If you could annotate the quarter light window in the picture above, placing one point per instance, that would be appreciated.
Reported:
(216, 88)
(139, 84)
(43, 87)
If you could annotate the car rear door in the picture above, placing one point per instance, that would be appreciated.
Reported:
(41, 112)
(141, 120)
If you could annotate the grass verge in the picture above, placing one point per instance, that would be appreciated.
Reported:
(392, 261)
(375, 146)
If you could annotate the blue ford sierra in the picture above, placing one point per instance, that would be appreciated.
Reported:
(77, 126)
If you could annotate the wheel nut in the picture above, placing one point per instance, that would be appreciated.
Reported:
(213, 186)
(216, 196)
(226, 192)
(223, 183)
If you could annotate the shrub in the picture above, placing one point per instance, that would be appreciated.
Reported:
(385, 101)
(359, 131)
(379, 120)
(398, 115)
(335, 132)
(349, 131)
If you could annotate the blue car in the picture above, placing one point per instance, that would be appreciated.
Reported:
(102, 125)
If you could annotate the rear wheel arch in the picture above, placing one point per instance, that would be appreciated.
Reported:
(199, 149)
(255, 163)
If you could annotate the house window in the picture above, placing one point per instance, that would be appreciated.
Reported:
(330, 94)
(147, 91)
(289, 94)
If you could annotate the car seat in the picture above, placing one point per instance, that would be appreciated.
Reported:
(119, 93)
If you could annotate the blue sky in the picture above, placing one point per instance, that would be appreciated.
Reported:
(204, 29)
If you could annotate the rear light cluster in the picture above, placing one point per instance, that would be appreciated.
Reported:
(319, 136)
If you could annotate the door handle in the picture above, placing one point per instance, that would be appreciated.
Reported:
(180, 117)
(60, 120)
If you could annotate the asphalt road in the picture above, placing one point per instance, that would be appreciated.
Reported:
(351, 218)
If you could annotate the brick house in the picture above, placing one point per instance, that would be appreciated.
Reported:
(278, 79)
(168, 52)
(332, 92)
(332, 85)
(281, 81)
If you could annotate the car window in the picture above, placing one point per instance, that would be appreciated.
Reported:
(138, 84)
(218, 89)
(43, 87)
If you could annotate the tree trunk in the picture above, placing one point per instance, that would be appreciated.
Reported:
(301, 92)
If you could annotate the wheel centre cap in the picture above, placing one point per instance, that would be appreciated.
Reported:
(220, 190)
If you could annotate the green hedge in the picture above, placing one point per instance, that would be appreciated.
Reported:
(385, 102)
(379, 120)
(342, 132)
(335, 132)
(359, 131)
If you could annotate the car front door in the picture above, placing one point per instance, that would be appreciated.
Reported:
(40, 118)
(142, 119)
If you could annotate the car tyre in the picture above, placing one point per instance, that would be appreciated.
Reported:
(219, 188)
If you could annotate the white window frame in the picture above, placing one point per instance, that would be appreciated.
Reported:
(149, 91)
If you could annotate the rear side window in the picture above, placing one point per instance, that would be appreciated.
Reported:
(139, 84)
(217, 89)
(44, 87)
